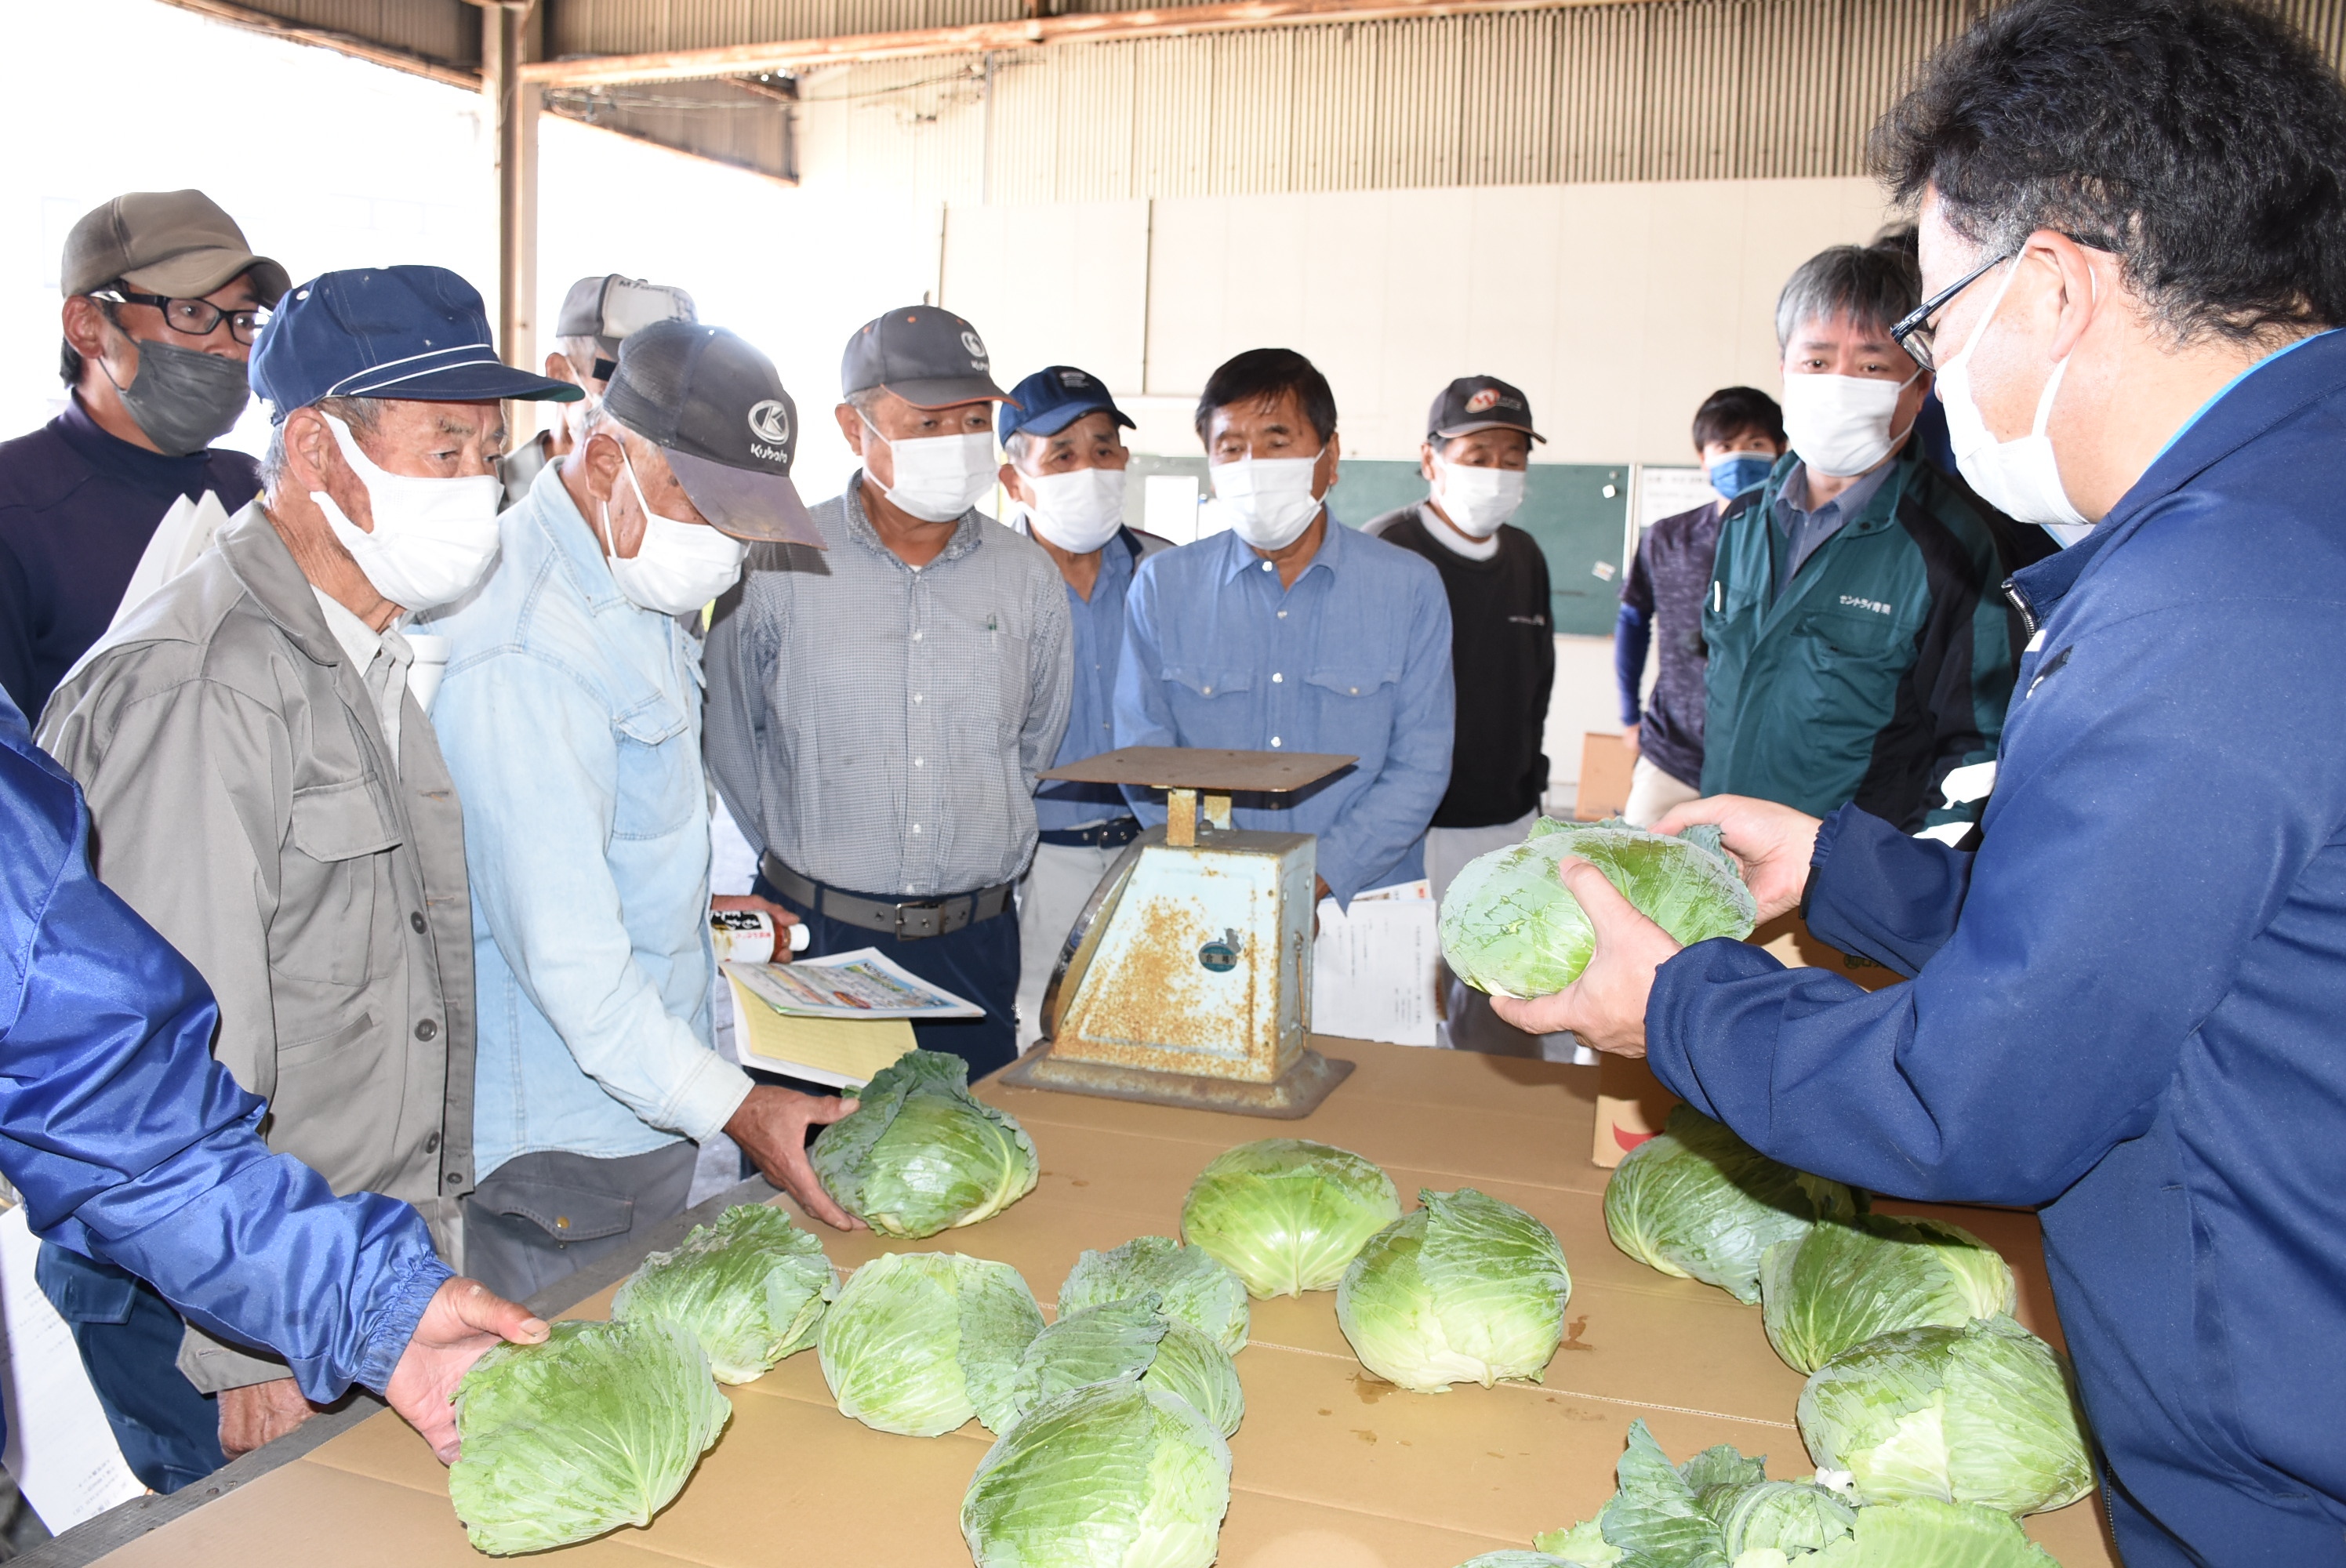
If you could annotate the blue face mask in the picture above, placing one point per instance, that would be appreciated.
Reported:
(1731, 476)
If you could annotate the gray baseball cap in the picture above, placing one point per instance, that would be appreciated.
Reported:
(929, 357)
(606, 309)
(177, 243)
(716, 409)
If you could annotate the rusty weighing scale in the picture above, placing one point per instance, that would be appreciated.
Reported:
(1187, 979)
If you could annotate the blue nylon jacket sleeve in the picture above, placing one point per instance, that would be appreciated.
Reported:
(130, 1144)
(1632, 634)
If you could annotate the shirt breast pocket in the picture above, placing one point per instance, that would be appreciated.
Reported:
(1210, 706)
(1864, 637)
(324, 927)
(1355, 713)
(659, 784)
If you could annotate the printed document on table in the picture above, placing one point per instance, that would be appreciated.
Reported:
(60, 1450)
(859, 985)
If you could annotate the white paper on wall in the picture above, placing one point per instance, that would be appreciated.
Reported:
(60, 1450)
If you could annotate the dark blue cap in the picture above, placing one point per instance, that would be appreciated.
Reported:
(1049, 401)
(413, 334)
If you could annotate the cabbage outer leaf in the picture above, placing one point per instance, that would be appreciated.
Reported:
(1517, 1560)
(1925, 1533)
(1197, 1287)
(1976, 1414)
(1108, 1475)
(919, 1342)
(1845, 1282)
(753, 1286)
(921, 1153)
(600, 1426)
(1699, 1202)
(1132, 1339)
(1466, 1289)
(1288, 1215)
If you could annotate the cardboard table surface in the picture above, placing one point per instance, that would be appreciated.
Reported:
(1333, 1467)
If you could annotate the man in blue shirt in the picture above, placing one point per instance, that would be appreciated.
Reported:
(1066, 471)
(2125, 1004)
(1292, 632)
(570, 718)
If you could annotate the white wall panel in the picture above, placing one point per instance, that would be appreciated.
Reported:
(1059, 284)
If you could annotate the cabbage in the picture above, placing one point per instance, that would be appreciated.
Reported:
(1108, 1475)
(918, 1342)
(1510, 926)
(1466, 1289)
(1699, 1201)
(1718, 1507)
(1132, 1338)
(1927, 1533)
(598, 1427)
(1515, 1560)
(1846, 1282)
(1195, 1286)
(921, 1153)
(752, 1287)
(1975, 1414)
(1288, 1215)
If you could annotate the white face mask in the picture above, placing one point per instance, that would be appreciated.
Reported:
(938, 477)
(1079, 510)
(1477, 500)
(1840, 425)
(2019, 478)
(1269, 499)
(678, 567)
(432, 538)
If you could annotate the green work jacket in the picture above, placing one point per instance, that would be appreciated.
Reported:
(1886, 663)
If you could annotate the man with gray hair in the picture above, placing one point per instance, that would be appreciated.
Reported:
(597, 315)
(264, 788)
(1860, 649)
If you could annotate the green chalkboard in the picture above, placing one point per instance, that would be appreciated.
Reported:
(1566, 508)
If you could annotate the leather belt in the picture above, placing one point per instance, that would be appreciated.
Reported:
(1112, 834)
(907, 922)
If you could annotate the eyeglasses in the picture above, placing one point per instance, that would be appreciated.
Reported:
(1914, 331)
(195, 318)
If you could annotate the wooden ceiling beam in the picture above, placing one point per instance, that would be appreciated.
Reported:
(1096, 27)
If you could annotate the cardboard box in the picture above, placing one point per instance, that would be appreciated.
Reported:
(1605, 767)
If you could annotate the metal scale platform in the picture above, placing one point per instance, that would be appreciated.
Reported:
(1187, 979)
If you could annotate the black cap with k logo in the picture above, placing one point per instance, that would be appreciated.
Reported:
(716, 409)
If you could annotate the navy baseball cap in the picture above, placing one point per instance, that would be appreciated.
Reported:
(413, 334)
(1050, 399)
(926, 355)
(714, 407)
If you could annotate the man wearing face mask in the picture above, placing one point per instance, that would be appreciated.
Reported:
(264, 789)
(1738, 434)
(571, 721)
(1290, 632)
(598, 314)
(1067, 473)
(878, 712)
(2124, 1005)
(1859, 649)
(163, 299)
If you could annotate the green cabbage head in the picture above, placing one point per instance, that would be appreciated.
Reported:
(1923, 1532)
(1845, 1282)
(1700, 1202)
(1509, 925)
(1515, 1560)
(1975, 1414)
(1108, 1475)
(1287, 1214)
(598, 1427)
(1132, 1338)
(918, 1342)
(1465, 1289)
(1716, 1509)
(921, 1153)
(752, 1287)
(1193, 1284)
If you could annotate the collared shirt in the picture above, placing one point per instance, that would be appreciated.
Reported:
(571, 721)
(77, 506)
(387, 682)
(1799, 534)
(878, 728)
(1353, 659)
(1097, 626)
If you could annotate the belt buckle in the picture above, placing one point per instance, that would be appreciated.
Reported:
(930, 920)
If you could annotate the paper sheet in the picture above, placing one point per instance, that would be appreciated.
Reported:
(1372, 970)
(841, 1052)
(60, 1450)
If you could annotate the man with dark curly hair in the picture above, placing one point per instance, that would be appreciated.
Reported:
(2125, 1003)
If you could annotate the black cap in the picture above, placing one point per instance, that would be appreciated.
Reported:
(929, 357)
(606, 309)
(716, 409)
(1479, 403)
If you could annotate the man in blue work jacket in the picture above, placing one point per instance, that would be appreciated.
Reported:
(1292, 632)
(2126, 1004)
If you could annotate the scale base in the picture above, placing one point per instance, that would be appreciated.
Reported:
(1293, 1095)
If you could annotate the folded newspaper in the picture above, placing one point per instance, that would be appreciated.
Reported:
(859, 985)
